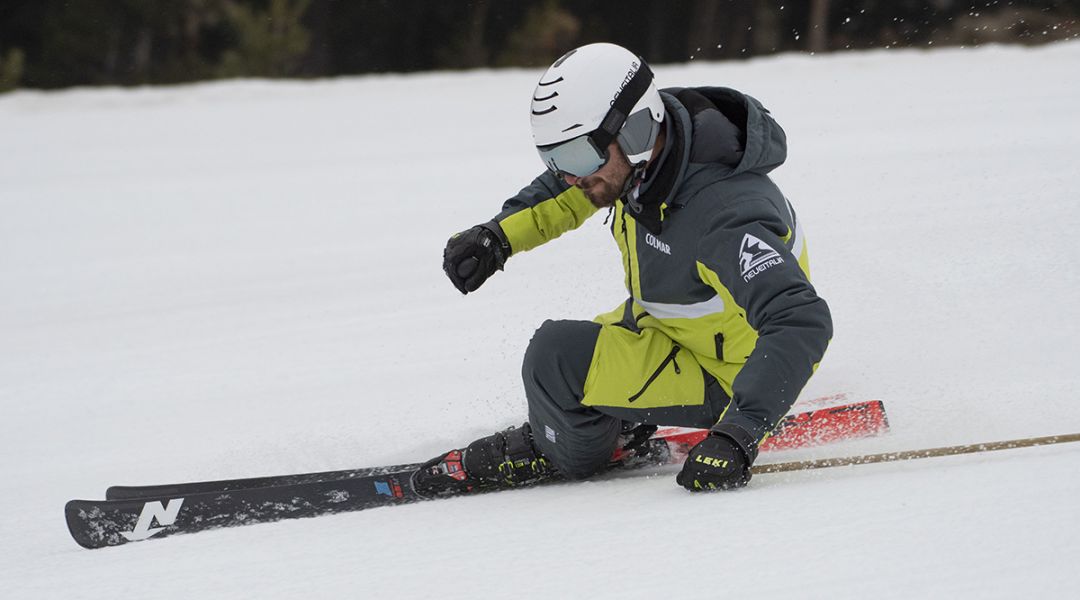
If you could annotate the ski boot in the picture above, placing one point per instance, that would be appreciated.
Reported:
(633, 445)
(502, 460)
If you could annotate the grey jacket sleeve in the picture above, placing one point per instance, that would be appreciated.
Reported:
(544, 187)
(745, 246)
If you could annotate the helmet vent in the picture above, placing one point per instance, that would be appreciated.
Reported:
(571, 127)
(544, 112)
(553, 94)
(542, 83)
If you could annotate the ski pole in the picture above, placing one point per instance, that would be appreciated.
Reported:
(865, 459)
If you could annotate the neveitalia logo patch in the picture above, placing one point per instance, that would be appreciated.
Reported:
(755, 257)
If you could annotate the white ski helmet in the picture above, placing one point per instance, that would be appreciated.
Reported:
(591, 95)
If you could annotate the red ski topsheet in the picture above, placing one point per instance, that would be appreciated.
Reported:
(801, 430)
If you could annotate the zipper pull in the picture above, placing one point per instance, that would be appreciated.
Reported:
(674, 351)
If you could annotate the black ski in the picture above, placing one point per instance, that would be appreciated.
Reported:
(96, 524)
(99, 524)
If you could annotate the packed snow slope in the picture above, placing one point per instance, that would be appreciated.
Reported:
(244, 278)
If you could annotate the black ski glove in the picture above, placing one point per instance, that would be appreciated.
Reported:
(721, 461)
(474, 255)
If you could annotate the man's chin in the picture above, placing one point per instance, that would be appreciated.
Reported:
(600, 200)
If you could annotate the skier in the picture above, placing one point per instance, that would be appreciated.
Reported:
(722, 328)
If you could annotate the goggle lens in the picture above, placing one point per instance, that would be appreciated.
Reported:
(578, 157)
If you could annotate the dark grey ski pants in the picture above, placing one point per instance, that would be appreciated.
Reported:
(580, 439)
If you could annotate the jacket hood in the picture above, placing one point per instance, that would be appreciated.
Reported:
(732, 129)
(721, 128)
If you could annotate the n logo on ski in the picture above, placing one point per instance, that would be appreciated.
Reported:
(164, 514)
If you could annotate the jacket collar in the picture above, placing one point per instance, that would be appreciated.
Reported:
(647, 202)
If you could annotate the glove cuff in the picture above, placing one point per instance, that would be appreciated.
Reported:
(740, 436)
(502, 245)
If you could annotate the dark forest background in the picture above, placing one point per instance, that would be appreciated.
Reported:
(60, 43)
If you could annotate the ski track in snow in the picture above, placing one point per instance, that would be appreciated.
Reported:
(244, 278)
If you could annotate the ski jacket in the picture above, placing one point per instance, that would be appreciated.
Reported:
(713, 254)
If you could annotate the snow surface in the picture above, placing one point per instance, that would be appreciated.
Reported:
(244, 278)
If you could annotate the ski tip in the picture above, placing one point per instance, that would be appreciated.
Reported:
(74, 515)
(883, 417)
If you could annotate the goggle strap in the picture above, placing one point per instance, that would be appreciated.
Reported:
(620, 109)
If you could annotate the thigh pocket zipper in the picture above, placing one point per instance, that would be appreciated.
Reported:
(669, 359)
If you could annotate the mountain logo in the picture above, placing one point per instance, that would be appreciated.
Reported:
(164, 514)
(755, 256)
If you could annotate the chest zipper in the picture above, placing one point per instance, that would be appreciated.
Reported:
(629, 252)
(669, 359)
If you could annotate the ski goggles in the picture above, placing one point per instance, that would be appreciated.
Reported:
(584, 155)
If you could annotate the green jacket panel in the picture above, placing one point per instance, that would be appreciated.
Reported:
(543, 211)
